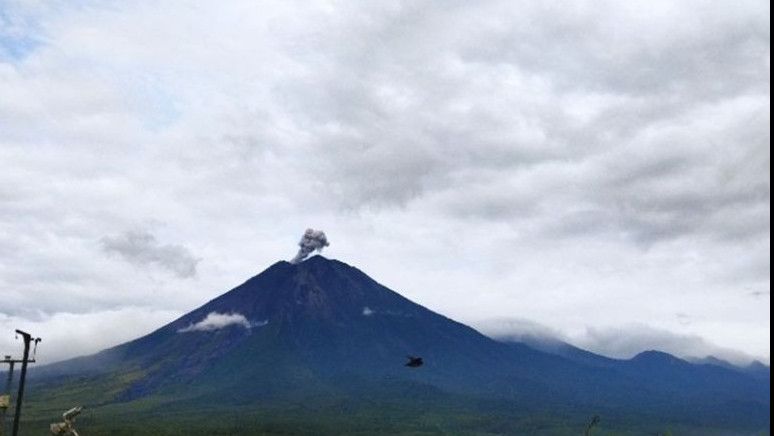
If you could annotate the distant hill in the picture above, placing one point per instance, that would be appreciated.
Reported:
(322, 341)
(755, 369)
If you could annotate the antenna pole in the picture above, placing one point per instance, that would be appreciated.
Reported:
(22, 378)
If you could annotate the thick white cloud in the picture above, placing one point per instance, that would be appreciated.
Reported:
(621, 341)
(67, 335)
(216, 321)
(584, 165)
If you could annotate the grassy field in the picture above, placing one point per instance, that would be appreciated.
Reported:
(371, 422)
(159, 416)
(191, 411)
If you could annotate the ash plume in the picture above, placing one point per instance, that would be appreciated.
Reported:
(313, 240)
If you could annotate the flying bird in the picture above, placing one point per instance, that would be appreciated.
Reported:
(414, 362)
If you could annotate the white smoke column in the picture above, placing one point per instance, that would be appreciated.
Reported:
(311, 241)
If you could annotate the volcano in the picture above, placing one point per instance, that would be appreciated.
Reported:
(322, 334)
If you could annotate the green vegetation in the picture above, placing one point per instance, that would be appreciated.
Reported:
(315, 414)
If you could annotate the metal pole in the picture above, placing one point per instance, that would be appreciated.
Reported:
(23, 375)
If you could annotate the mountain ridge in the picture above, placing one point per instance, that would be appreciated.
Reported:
(324, 328)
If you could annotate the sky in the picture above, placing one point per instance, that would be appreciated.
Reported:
(595, 171)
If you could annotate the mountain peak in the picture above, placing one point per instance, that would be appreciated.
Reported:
(318, 260)
(653, 356)
(315, 289)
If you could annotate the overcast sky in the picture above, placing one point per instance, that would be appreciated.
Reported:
(598, 171)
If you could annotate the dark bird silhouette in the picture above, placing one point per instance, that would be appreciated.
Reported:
(414, 362)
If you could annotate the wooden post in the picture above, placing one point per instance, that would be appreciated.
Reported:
(7, 392)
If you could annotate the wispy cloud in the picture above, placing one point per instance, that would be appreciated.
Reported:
(518, 330)
(141, 248)
(629, 340)
(683, 318)
(621, 342)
